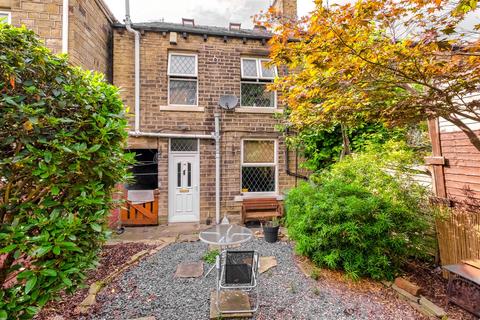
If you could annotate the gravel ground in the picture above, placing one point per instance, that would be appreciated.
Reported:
(149, 289)
(111, 258)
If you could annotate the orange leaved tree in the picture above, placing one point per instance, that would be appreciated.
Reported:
(394, 61)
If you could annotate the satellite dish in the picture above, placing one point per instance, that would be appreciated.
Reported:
(228, 102)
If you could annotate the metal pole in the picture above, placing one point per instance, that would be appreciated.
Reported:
(217, 167)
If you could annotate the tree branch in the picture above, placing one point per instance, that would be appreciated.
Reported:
(472, 136)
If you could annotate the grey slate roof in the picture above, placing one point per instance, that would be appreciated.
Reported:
(201, 30)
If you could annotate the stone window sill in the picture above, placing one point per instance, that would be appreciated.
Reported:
(182, 108)
(240, 198)
(258, 110)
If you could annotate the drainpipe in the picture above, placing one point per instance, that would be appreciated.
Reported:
(128, 24)
(171, 135)
(216, 136)
(65, 26)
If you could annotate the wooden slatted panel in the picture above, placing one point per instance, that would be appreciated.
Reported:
(459, 237)
(145, 214)
(462, 169)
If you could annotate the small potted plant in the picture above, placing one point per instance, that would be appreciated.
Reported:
(270, 230)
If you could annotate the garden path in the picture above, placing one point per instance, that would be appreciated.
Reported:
(151, 290)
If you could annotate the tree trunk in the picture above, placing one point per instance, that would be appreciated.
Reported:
(346, 142)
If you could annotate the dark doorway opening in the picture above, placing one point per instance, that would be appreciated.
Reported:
(145, 170)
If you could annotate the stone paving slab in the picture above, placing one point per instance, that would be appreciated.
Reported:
(188, 238)
(230, 300)
(189, 270)
(267, 263)
(156, 233)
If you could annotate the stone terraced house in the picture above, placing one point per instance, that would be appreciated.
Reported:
(184, 70)
(172, 77)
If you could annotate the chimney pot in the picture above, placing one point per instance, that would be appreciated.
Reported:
(188, 22)
(235, 26)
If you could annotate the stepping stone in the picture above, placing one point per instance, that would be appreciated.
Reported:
(188, 238)
(267, 263)
(230, 300)
(189, 270)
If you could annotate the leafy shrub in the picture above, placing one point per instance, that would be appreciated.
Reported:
(62, 132)
(211, 256)
(321, 147)
(359, 218)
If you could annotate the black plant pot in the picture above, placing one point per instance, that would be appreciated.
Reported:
(270, 233)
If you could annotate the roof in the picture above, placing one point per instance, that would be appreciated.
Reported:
(201, 30)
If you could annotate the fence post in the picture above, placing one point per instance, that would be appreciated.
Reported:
(437, 161)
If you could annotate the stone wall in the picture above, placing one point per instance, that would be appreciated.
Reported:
(90, 35)
(43, 17)
(90, 31)
(286, 8)
(218, 74)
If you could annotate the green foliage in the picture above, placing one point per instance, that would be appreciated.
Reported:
(359, 218)
(321, 147)
(211, 256)
(315, 274)
(62, 132)
(272, 223)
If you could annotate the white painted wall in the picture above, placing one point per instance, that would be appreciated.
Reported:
(446, 126)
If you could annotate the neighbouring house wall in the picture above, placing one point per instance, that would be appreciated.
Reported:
(90, 30)
(218, 74)
(286, 8)
(461, 168)
(90, 36)
(43, 17)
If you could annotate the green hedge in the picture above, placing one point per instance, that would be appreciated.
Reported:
(62, 133)
(359, 218)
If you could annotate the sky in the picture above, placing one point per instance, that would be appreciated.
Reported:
(216, 12)
(205, 12)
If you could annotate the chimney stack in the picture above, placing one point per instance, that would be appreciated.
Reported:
(286, 8)
(235, 26)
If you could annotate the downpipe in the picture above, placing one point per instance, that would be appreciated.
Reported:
(65, 9)
(128, 25)
(216, 136)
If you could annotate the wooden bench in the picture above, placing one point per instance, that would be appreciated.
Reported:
(257, 209)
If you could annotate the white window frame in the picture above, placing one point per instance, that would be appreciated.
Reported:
(256, 80)
(268, 164)
(182, 77)
(259, 69)
(9, 16)
(170, 54)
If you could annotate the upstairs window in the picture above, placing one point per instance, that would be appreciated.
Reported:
(182, 79)
(5, 17)
(256, 75)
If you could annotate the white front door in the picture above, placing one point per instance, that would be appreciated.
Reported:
(184, 204)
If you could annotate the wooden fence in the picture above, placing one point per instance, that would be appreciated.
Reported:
(458, 236)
